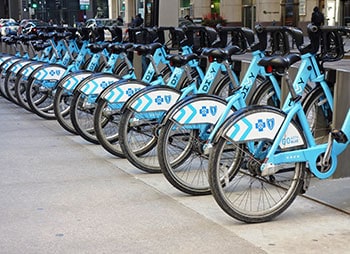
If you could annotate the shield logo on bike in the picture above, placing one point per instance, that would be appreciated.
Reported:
(213, 110)
(104, 84)
(167, 98)
(271, 123)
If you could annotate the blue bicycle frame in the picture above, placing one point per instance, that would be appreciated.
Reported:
(280, 129)
(192, 116)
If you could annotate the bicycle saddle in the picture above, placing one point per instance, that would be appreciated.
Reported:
(279, 61)
(147, 49)
(119, 48)
(221, 54)
(96, 48)
(181, 60)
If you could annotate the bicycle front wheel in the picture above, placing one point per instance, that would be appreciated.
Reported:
(265, 94)
(319, 114)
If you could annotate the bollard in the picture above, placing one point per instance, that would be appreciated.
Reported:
(341, 106)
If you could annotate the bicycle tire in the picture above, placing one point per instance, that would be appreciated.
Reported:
(40, 100)
(82, 115)
(181, 159)
(238, 187)
(121, 69)
(9, 87)
(83, 105)
(62, 102)
(138, 135)
(20, 91)
(108, 135)
(63, 98)
(265, 94)
(109, 138)
(138, 140)
(3, 92)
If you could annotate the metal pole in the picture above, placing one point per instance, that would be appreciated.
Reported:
(10, 9)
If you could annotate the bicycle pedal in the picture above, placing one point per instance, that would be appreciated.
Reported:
(339, 136)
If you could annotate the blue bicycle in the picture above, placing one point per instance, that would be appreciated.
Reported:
(45, 46)
(187, 70)
(91, 89)
(188, 128)
(42, 83)
(117, 63)
(263, 157)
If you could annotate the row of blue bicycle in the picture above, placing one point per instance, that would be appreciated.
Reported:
(192, 113)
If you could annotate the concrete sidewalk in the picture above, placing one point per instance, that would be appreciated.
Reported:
(60, 194)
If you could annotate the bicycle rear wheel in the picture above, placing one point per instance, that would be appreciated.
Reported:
(40, 99)
(138, 139)
(82, 115)
(62, 102)
(20, 91)
(265, 94)
(238, 186)
(106, 125)
(10, 86)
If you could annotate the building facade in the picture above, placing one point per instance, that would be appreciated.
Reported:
(166, 12)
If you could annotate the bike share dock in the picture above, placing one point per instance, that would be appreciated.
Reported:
(60, 194)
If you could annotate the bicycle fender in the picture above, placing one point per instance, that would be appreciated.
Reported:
(252, 124)
(122, 91)
(18, 66)
(50, 72)
(72, 80)
(4, 58)
(6, 61)
(27, 71)
(95, 84)
(6, 65)
(153, 98)
(198, 109)
(105, 91)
